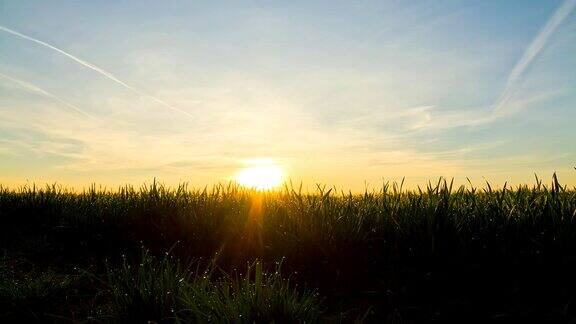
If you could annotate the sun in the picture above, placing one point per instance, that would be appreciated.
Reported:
(261, 174)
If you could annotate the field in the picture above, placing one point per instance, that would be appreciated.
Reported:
(233, 255)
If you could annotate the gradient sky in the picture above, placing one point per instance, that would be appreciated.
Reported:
(338, 92)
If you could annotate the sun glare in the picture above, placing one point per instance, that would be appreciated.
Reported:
(261, 174)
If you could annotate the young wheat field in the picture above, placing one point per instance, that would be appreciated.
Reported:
(233, 255)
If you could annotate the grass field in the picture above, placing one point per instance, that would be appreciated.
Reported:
(233, 255)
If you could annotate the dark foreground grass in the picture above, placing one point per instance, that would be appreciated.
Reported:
(163, 291)
(163, 254)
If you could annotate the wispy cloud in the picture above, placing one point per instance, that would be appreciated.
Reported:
(95, 68)
(312, 153)
(507, 103)
(34, 88)
(531, 52)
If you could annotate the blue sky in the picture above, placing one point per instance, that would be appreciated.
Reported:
(338, 92)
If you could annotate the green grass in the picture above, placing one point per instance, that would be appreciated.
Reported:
(38, 295)
(160, 290)
(29, 295)
(434, 254)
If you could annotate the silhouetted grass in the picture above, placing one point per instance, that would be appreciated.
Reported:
(435, 254)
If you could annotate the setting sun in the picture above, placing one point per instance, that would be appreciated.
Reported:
(262, 175)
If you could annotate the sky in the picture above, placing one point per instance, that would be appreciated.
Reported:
(344, 93)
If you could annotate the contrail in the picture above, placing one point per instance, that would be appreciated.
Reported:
(35, 88)
(532, 51)
(94, 68)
